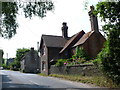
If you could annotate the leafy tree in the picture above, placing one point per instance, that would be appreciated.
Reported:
(1, 56)
(1, 52)
(10, 10)
(110, 14)
(110, 55)
(19, 55)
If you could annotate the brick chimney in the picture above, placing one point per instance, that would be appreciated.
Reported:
(32, 48)
(93, 20)
(64, 30)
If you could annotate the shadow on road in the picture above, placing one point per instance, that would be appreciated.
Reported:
(8, 85)
(5, 78)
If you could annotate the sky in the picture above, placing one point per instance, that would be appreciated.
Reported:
(30, 31)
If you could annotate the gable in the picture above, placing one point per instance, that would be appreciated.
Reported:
(83, 38)
(89, 35)
(73, 40)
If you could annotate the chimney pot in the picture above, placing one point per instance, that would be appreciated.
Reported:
(32, 48)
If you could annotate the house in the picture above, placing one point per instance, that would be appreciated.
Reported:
(50, 47)
(92, 42)
(9, 61)
(30, 62)
(56, 47)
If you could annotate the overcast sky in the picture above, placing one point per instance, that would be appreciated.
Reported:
(30, 31)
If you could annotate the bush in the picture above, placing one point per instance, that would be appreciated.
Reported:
(61, 62)
(110, 61)
(80, 53)
(5, 66)
(79, 58)
(97, 62)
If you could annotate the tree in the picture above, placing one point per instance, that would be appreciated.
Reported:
(10, 10)
(1, 52)
(1, 56)
(110, 55)
(19, 55)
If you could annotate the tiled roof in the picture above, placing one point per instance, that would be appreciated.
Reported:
(54, 41)
(84, 38)
(73, 40)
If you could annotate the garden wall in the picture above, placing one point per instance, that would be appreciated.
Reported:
(85, 70)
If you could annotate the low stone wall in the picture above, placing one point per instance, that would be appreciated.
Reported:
(85, 70)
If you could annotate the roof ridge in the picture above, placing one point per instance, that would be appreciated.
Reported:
(85, 37)
(51, 35)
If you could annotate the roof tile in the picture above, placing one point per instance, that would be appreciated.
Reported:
(54, 41)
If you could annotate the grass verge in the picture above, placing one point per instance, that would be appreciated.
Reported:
(96, 80)
(42, 74)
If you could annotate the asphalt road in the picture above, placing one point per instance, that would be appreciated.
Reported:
(16, 79)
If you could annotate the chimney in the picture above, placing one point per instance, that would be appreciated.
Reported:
(32, 48)
(64, 30)
(93, 20)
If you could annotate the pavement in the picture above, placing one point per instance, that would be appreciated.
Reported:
(15, 79)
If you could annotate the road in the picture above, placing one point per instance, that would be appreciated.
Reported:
(16, 79)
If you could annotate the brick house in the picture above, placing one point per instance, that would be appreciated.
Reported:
(92, 42)
(30, 62)
(50, 47)
(56, 47)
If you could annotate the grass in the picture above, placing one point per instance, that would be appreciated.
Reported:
(96, 80)
(42, 74)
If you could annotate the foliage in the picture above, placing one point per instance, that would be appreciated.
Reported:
(110, 14)
(110, 55)
(80, 53)
(2, 52)
(5, 66)
(15, 65)
(79, 58)
(61, 62)
(97, 62)
(19, 55)
(1, 57)
(10, 10)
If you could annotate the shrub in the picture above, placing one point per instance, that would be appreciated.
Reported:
(80, 53)
(96, 62)
(61, 62)
(110, 61)
(79, 58)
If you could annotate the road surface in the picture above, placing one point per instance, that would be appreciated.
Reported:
(16, 79)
